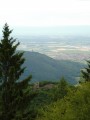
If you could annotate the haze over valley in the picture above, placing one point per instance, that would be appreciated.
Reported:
(65, 47)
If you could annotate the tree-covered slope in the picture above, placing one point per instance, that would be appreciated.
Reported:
(45, 68)
(74, 106)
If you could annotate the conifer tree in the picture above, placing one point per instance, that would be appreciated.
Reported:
(11, 61)
(86, 72)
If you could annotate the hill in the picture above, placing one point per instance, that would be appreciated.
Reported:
(44, 68)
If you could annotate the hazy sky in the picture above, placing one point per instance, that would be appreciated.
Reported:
(45, 12)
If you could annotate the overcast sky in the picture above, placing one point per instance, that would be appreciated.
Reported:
(45, 12)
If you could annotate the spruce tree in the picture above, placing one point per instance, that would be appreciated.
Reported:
(86, 72)
(12, 90)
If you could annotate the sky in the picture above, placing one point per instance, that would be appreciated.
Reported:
(44, 13)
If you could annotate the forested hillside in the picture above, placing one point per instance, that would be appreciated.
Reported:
(73, 106)
(44, 68)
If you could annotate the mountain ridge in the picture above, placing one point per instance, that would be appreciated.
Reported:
(44, 68)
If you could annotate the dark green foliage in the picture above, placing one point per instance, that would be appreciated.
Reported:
(48, 96)
(86, 72)
(61, 89)
(13, 95)
(74, 106)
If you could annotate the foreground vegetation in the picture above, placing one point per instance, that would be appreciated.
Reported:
(73, 106)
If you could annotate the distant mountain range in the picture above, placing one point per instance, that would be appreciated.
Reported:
(44, 68)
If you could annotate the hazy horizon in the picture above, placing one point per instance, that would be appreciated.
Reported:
(46, 17)
(51, 31)
(45, 13)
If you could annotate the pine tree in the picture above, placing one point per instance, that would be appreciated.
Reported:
(11, 61)
(86, 72)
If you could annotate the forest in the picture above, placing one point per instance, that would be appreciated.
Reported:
(44, 100)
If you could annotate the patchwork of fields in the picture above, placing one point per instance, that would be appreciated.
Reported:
(58, 47)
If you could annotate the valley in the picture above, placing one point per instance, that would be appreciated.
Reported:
(75, 48)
